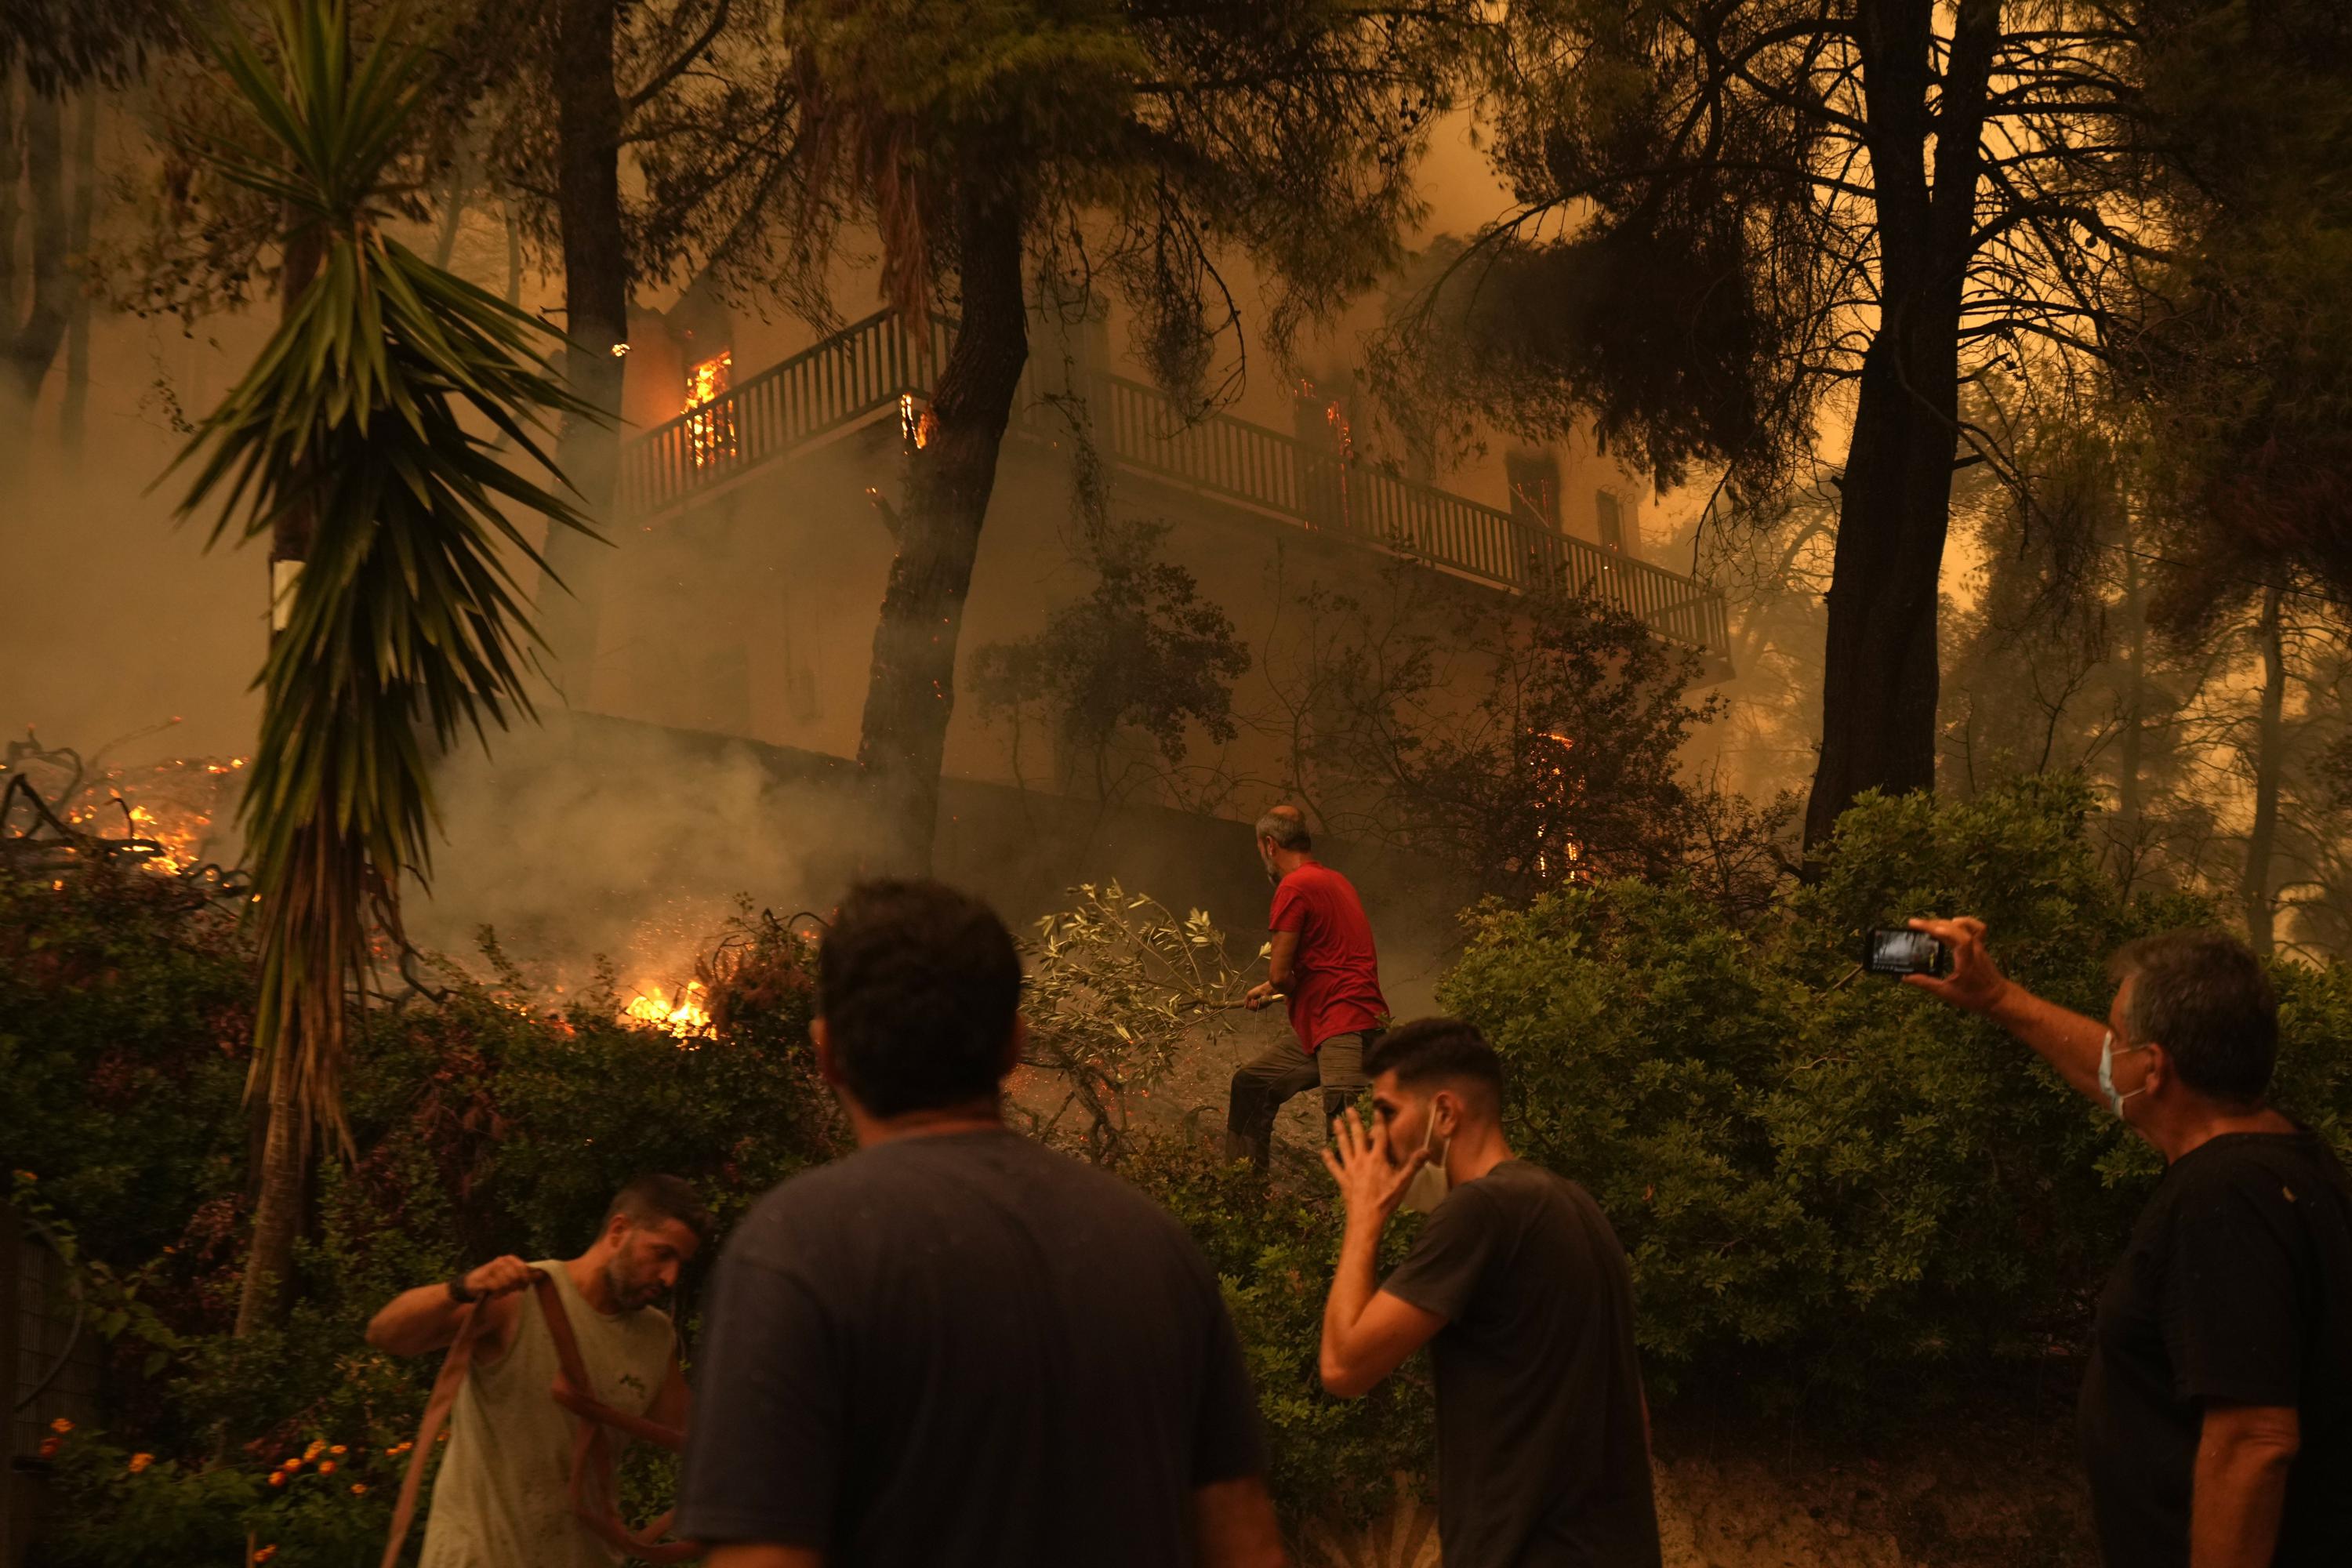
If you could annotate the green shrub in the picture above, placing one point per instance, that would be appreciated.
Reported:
(1830, 1182)
(484, 1124)
(1330, 1459)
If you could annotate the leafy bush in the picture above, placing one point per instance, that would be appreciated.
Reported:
(485, 1123)
(1329, 1457)
(1831, 1182)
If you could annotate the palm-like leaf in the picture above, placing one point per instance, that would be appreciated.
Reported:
(365, 414)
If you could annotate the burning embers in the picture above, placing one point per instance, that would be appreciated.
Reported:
(62, 810)
(1559, 857)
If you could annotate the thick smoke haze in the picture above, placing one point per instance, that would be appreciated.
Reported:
(625, 842)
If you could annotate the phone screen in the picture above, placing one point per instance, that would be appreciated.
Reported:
(1894, 950)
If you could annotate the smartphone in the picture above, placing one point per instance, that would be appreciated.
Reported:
(1896, 950)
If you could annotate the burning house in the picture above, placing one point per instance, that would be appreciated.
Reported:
(754, 537)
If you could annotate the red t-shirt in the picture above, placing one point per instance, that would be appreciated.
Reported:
(1337, 987)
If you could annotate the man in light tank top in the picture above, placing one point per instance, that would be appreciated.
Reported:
(501, 1497)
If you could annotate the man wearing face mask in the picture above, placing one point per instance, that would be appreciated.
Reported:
(1521, 1290)
(2216, 1411)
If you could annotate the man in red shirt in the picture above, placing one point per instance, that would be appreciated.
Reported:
(1322, 957)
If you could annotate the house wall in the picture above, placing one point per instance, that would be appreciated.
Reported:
(752, 613)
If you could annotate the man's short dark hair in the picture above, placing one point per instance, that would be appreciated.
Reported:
(1286, 826)
(649, 1200)
(1437, 1051)
(2203, 998)
(917, 984)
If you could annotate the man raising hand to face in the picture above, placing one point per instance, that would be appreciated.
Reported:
(1522, 1292)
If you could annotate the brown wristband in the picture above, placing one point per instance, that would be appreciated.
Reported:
(459, 1294)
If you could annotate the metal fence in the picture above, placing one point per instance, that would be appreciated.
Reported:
(875, 365)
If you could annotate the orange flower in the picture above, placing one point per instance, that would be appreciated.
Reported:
(49, 1450)
(326, 1466)
(314, 1450)
(359, 1488)
(293, 1464)
(61, 1426)
(265, 1554)
(278, 1477)
(338, 1448)
(140, 1461)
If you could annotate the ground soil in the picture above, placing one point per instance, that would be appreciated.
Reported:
(1976, 1490)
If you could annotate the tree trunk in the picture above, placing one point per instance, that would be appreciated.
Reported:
(282, 1191)
(596, 319)
(278, 1207)
(32, 148)
(910, 688)
(73, 414)
(514, 257)
(2269, 756)
(1880, 675)
(2129, 755)
(453, 203)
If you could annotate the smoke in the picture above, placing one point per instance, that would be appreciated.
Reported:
(117, 618)
(597, 836)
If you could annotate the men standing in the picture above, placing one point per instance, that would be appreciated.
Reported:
(2216, 1409)
(502, 1498)
(957, 1347)
(1521, 1290)
(1322, 957)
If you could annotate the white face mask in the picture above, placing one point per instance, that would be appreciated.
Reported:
(1429, 1183)
(2108, 1073)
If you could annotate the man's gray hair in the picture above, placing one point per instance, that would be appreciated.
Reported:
(1286, 826)
(2203, 998)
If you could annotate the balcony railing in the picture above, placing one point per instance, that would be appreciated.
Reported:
(869, 368)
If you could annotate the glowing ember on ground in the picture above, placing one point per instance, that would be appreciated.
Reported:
(171, 803)
(688, 1017)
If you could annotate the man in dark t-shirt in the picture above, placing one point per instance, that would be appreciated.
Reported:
(956, 1347)
(1319, 954)
(2217, 1405)
(1522, 1292)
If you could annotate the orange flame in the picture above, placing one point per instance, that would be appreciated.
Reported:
(687, 1017)
(710, 432)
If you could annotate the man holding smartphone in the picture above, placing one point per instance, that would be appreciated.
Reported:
(2216, 1410)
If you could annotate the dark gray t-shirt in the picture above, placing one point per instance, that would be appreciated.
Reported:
(1542, 1461)
(964, 1348)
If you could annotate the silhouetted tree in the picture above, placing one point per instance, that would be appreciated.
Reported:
(1131, 142)
(1744, 220)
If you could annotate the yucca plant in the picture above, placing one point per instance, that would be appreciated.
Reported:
(367, 422)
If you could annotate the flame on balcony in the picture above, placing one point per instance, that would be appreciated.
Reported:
(710, 427)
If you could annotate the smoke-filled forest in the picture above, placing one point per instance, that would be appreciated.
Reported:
(512, 514)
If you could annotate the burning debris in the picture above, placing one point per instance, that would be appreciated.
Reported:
(688, 1017)
(59, 810)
